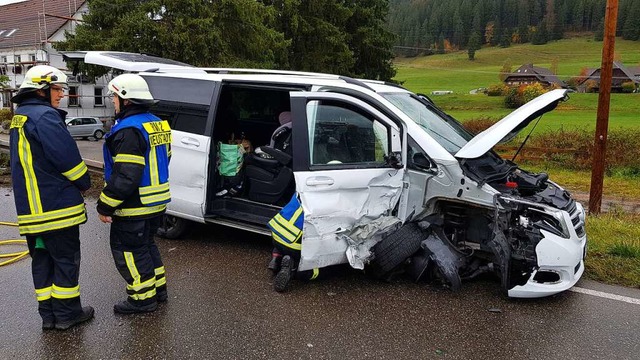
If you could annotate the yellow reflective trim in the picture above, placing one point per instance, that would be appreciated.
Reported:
(294, 246)
(150, 199)
(75, 173)
(18, 121)
(43, 294)
(316, 272)
(59, 292)
(140, 211)
(149, 294)
(110, 201)
(131, 265)
(30, 180)
(146, 284)
(51, 215)
(282, 231)
(288, 225)
(153, 189)
(130, 158)
(153, 167)
(161, 281)
(53, 225)
(295, 216)
(159, 271)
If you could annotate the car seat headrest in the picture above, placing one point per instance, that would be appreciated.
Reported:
(284, 117)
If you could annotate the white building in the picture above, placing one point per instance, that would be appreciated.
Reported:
(28, 30)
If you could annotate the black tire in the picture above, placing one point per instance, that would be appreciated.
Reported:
(98, 134)
(172, 227)
(394, 249)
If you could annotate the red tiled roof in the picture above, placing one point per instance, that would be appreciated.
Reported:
(23, 17)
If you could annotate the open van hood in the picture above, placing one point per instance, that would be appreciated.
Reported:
(507, 128)
(129, 62)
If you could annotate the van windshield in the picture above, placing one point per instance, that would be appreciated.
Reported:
(441, 127)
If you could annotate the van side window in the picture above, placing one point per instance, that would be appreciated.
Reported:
(342, 134)
(192, 123)
(182, 118)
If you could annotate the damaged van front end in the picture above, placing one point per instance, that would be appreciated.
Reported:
(501, 219)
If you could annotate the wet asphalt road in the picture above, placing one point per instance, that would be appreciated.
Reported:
(222, 306)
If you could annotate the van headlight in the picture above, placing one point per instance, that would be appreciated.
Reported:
(581, 213)
(552, 221)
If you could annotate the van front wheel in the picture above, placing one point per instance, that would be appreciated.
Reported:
(172, 227)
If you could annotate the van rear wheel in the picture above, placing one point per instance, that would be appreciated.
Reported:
(172, 227)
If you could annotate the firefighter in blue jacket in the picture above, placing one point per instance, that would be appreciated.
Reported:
(48, 177)
(136, 172)
(286, 234)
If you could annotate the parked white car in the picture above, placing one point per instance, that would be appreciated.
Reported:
(386, 179)
(85, 127)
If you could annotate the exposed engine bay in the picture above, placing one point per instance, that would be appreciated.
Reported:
(462, 242)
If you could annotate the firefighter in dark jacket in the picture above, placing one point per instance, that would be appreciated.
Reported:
(136, 172)
(48, 177)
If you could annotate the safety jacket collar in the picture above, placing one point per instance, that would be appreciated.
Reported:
(131, 110)
(43, 102)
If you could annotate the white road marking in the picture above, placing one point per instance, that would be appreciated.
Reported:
(605, 295)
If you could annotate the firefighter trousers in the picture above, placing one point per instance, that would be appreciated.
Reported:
(306, 275)
(137, 258)
(55, 267)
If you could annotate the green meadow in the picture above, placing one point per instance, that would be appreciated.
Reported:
(457, 73)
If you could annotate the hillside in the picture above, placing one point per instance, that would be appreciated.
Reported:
(455, 72)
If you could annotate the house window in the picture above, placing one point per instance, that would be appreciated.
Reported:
(4, 59)
(32, 57)
(74, 99)
(17, 69)
(18, 58)
(3, 70)
(98, 99)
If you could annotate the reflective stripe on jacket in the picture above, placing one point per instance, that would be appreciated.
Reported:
(151, 193)
(47, 171)
(286, 226)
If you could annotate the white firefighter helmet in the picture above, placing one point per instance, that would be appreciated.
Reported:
(40, 77)
(131, 87)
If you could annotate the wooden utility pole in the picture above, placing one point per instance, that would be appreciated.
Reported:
(604, 97)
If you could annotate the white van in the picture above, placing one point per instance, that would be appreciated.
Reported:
(386, 179)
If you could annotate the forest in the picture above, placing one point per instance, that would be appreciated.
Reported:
(432, 26)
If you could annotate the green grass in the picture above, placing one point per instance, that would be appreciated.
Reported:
(614, 248)
(619, 185)
(455, 72)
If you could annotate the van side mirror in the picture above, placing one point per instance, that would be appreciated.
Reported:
(394, 160)
(422, 162)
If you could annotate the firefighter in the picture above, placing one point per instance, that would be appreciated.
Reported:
(48, 177)
(136, 173)
(286, 234)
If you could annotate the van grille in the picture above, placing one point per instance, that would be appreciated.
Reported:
(572, 209)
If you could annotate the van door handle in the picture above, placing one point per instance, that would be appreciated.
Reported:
(317, 181)
(190, 141)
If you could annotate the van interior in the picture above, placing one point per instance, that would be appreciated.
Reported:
(244, 121)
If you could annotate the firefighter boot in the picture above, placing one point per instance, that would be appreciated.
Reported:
(161, 294)
(274, 264)
(127, 307)
(85, 315)
(284, 275)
